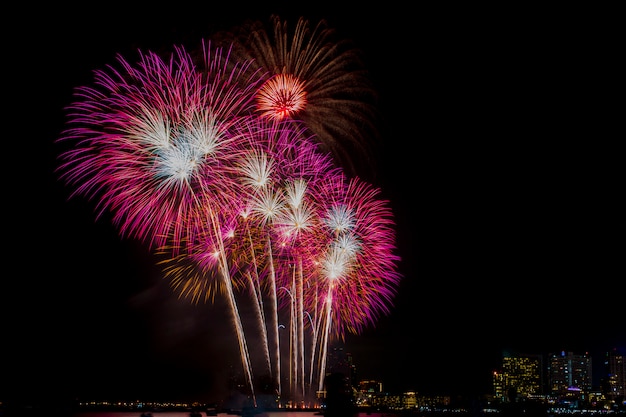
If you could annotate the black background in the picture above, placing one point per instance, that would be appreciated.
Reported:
(502, 156)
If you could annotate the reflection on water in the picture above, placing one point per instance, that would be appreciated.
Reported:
(186, 414)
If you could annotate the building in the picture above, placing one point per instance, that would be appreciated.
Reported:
(520, 377)
(569, 372)
(570, 378)
(615, 383)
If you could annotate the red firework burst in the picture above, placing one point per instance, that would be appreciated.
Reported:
(313, 76)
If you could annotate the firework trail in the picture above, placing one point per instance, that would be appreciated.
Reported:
(282, 161)
(275, 164)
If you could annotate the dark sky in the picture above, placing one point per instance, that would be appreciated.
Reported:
(502, 158)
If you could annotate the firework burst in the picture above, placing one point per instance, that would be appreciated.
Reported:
(313, 76)
(151, 140)
(355, 267)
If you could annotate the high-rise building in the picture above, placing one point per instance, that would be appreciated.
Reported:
(339, 361)
(340, 366)
(569, 372)
(615, 384)
(520, 377)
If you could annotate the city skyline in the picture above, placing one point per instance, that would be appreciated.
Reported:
(497, 157)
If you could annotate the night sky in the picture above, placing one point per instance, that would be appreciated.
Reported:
(502, 157)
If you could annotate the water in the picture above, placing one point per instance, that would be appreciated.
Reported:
(186, 414)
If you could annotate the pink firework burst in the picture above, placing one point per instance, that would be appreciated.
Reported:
(352, 264)
(151, 139)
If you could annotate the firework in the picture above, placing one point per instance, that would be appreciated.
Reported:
(154, 143)
(347, 272)
(151, 139)
(357, 265)
(259, 230)
(311, 74)
(234, 166)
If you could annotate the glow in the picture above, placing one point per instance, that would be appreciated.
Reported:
(281, 96)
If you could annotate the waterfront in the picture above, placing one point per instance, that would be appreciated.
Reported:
(438, 413)
(187, 414)
(446, 412)
(230, 414)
